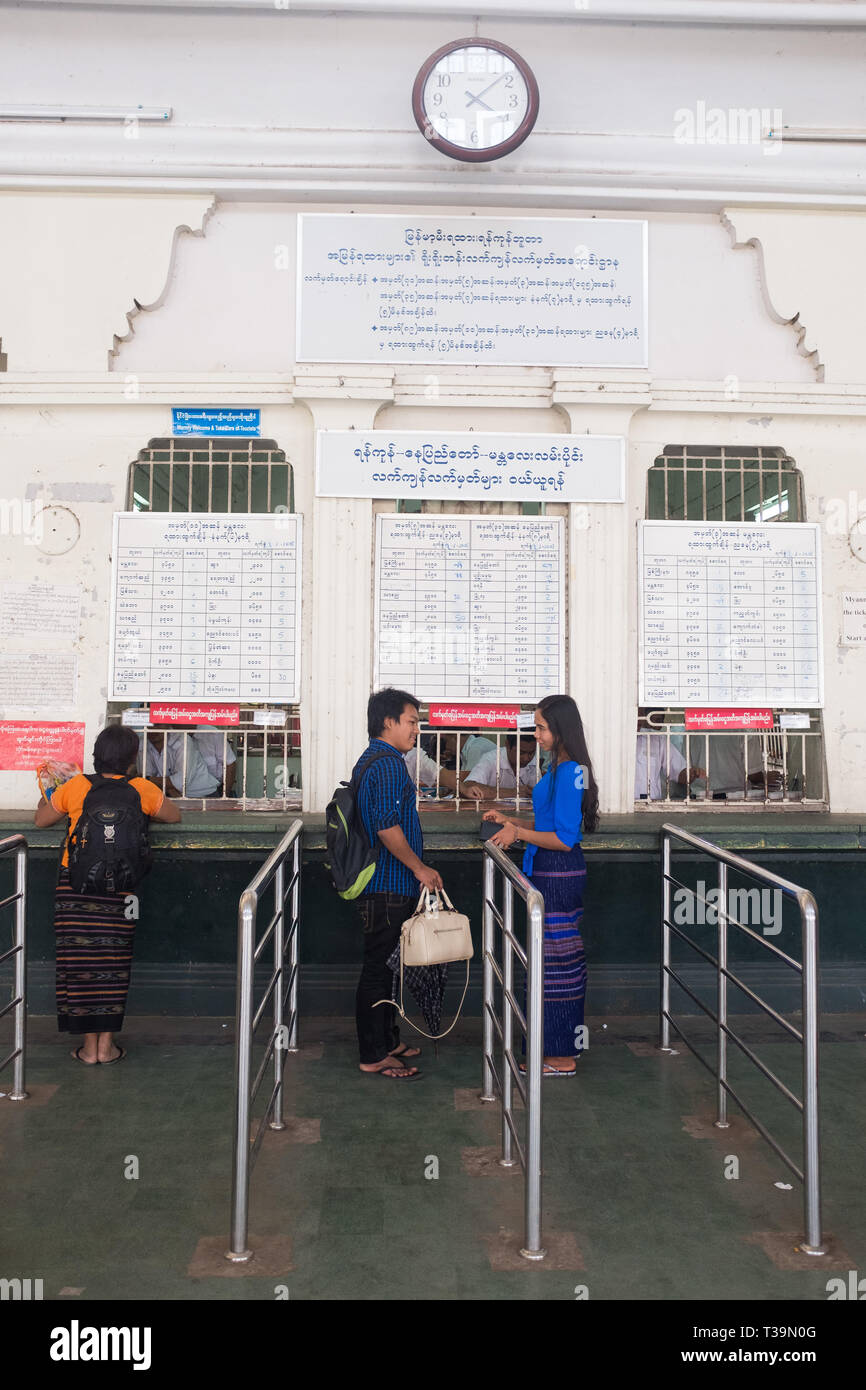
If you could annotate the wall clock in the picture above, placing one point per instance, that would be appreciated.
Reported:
(475, 99)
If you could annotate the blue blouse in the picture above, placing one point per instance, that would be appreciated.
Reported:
(557, 803)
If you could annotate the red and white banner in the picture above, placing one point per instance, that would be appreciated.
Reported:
(729, 719)
(24, 744)
(474, 716)
(195, 714)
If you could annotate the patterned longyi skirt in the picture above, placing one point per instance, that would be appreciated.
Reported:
(560, 877)
(94, 957)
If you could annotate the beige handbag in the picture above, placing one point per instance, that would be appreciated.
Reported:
(435, 936)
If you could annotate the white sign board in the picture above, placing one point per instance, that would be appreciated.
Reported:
(205, 606)
(530, 291)
(853, 619)
(730, 613)
(492, 467)
(470, 607)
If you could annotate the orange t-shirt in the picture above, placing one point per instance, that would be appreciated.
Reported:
(70, 798)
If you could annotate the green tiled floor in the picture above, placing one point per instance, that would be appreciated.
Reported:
(648, 1204)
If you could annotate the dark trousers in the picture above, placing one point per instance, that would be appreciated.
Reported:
(382, 915)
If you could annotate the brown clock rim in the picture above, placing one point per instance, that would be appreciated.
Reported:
(456, 151)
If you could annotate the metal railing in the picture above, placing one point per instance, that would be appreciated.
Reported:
(17, 845)
(740, 770)
(809, 1175)
(252, 765)
(532, 1027)
(284, 1033)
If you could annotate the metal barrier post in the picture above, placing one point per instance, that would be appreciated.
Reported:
(507, 1160)
(279, 955)
(529, 1156)
(665, 1027)
(813, 1245)
(17, 844)
(534, 1064)
(294, 953)
(246, 1021)
(487, 939)
(722, 1002)
(808, 1038)
(239, 1251)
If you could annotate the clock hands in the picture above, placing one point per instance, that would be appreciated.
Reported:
(486, 90)
(479, 101)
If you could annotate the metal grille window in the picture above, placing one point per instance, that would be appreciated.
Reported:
(194, 474)
(251, 764)
(715, 483)
(694, 482)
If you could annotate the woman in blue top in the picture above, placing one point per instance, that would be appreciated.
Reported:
(565, 804)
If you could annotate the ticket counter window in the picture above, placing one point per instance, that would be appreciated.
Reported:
(254, 764)
(738, 768)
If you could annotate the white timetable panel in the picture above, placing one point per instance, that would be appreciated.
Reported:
(470, 607)
(205, 607)
(730, 613)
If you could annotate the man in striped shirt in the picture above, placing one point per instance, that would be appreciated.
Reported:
(386, 804)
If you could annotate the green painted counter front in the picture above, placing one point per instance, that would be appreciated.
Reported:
(186, 938)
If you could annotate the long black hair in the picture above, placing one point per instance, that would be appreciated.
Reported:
(569, 742)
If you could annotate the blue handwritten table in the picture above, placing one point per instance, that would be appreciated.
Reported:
(730, 614)
(470, 607)
(206, 607)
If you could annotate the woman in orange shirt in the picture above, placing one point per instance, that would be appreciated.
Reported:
(94, 936)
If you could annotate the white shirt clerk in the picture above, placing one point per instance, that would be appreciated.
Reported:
(484, 771)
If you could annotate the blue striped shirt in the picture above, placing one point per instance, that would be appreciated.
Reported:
(386, 797)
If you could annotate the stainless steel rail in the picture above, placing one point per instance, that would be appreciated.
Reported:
(532, 1026)
(284, 1033)
(17, 845)
(809, 1175)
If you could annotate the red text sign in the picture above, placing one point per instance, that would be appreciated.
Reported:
(195, 714)
(729, 719)
(475, 716)
(25, 744)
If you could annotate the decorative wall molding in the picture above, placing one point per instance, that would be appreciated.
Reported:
(516, 388)
(74, 271)
(812, 264)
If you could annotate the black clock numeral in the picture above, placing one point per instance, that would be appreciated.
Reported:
(473, 136)
(438, 98)
(509, 79)
(513, 100)
(443, 79)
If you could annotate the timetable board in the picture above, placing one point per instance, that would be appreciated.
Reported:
(730, 613)
(205, 606)
(470, 607)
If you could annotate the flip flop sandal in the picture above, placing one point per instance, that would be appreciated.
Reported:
(556, 1071)
(121, 1053)
(406, 1051)
(78, 1057)
(394, 1074)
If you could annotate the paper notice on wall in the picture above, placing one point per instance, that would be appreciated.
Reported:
(37, 680)
(853, 619)
(39, 610)
(24, 744)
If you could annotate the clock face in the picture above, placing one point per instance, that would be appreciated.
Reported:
(475, 99)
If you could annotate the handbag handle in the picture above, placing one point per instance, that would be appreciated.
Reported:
(425, 900)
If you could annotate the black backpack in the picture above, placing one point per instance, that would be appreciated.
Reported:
(109, 850)
(351, 858)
